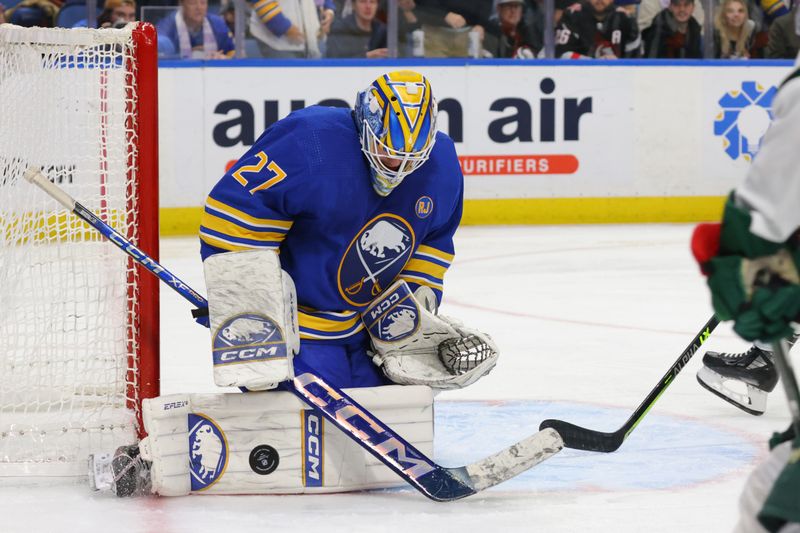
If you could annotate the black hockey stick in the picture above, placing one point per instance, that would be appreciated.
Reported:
(599, 441)
(437, 482)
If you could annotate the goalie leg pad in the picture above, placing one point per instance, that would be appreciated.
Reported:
(253, 313)
(415, 347)
(271, 443)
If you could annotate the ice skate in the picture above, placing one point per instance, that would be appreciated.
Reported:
(124, 472)
(753, 370)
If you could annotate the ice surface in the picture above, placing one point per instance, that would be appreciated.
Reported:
(588, 318)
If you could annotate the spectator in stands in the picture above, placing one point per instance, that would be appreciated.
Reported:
(446, 24)
(288, 28)
(359, 34)
(559, 8)
(326, 12)
(454, 14)
(649, 9)
(196, 33)
(116, 14)
(763, 13)
(407, 21)
(227, 10)
(631, 7)
(597, 29)
(2, 14)
(674, 33)
(30, 13)
(508, 35)
(784, 36)
(734, 32)
(769, 10)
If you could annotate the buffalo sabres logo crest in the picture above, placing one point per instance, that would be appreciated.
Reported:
(208, 451)
(378, 253)
(248, 337)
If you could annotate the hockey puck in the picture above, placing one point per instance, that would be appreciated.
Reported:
(264, 459)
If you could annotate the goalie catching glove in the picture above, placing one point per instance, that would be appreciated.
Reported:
(252, 308)
(753, 281)
(413, 346)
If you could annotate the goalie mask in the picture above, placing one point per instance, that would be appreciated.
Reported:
(396, 121)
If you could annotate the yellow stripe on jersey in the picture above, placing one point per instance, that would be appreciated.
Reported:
(227, 227)
(419, 280)
(322, 324)
(438, 254)
(425, 267)
(222, 244)
(266, 9)
(244, 217)
(271, 15)
(306, 334)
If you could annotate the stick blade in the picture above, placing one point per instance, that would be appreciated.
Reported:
(513, 460)
(580, 438)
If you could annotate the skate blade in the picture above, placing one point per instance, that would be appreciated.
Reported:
(754, 402)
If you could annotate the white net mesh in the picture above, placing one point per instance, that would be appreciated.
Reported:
(68, 299)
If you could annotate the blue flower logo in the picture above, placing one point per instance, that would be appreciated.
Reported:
(744, 118)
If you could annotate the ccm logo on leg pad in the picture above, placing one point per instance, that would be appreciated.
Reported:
(248, 337)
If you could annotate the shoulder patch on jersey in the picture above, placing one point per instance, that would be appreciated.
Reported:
(424, 207)
(208, 451)
(374, 258)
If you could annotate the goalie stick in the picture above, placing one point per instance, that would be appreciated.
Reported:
(582, 438)
(434, 481)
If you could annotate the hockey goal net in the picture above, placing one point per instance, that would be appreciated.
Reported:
(78, 319)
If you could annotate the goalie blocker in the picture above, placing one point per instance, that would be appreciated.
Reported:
(259, 443)
(252, 306)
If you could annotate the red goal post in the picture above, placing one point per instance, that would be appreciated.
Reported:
(79, 320)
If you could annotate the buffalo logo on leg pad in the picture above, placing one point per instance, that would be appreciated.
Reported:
(208, 451)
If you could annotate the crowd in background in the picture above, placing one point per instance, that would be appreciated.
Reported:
(585, 29)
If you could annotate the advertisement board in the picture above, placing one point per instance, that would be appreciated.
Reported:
(537, 142)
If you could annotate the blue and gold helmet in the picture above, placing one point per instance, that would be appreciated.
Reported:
(396, 119)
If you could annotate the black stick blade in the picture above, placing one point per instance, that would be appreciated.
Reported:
(580, 438)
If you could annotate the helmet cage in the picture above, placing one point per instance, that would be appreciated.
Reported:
(378, 154)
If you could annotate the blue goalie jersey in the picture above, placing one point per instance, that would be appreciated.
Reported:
(304, 189)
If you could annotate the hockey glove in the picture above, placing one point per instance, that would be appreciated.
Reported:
(413, 346)
(753, 281)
